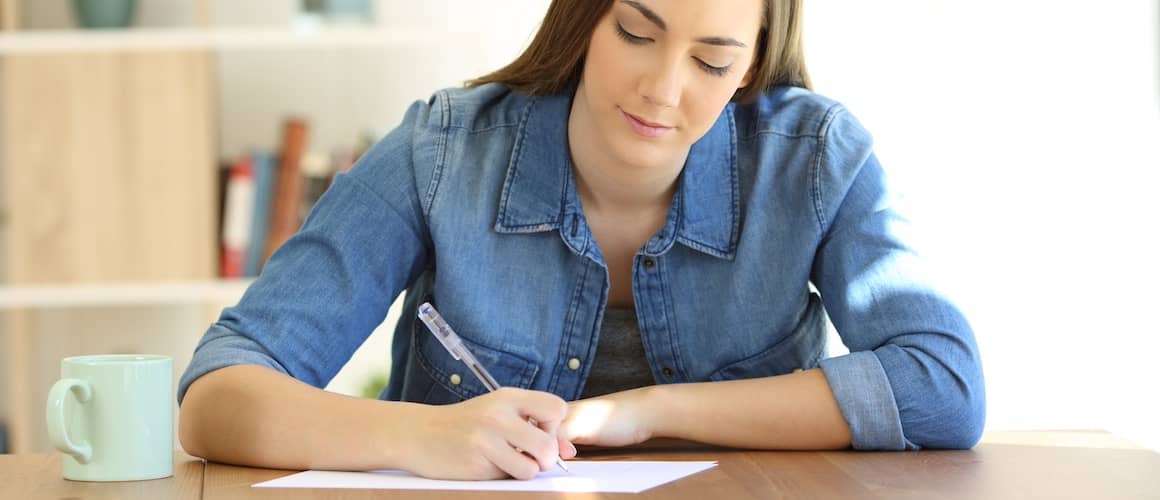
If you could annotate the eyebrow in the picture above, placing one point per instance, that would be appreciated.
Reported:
(656, 19)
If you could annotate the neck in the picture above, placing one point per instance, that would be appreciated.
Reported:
(610, 185)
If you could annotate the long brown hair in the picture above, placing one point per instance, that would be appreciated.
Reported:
(555, 58)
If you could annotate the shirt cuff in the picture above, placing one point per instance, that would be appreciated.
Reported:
(222, 347)
(866, 400)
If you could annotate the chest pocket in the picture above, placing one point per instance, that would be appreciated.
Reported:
(434, 377)
(802, 348)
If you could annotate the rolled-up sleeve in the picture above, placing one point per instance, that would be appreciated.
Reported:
(326, 289)
(913, 378)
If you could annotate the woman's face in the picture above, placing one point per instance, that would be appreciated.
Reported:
(658, 73)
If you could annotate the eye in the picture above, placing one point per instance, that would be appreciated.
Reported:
(629, 37)
(713, 70)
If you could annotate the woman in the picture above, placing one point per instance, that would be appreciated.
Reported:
(627, 218)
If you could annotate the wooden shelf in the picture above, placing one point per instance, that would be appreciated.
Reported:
(242, 38)
(121, 294)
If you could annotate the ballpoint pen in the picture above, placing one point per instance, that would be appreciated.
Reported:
(454, 345)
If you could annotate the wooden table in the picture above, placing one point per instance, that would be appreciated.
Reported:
(37, 476)
(1071, 464)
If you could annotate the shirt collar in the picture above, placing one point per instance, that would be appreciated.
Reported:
(539, 191)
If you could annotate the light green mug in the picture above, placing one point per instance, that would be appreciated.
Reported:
(119, 424)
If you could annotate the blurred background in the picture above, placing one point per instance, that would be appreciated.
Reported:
(153, 152)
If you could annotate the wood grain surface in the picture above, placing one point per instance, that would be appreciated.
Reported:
(38, 476)
(1081, 465)
(1006, 465)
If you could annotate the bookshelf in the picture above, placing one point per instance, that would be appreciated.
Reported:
(218, 39)
(109, 154)
(9, 14)
(67, 296)
(110, 143)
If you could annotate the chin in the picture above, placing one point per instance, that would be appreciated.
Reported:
(641, 153)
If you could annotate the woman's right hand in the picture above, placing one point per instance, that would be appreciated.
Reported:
(489, 437)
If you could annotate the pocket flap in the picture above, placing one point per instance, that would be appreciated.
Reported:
(509, 370)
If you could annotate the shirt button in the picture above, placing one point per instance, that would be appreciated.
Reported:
(667, 371)
(456, 379)
(574, 364)
(649, 263)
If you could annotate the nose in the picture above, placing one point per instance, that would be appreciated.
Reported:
(662, 85)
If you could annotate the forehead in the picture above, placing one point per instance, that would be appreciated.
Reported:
(736, 18)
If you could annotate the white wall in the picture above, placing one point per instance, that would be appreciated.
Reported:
(1024, 136)
(345, 92)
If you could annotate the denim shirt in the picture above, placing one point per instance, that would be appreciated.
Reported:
(471, 204)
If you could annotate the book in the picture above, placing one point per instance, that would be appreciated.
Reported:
(265, 176)
(284, 213)
(3, 438)
(317, 171)
(223, 180)
(237, 217)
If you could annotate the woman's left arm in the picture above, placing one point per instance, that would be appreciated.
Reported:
(789, 412)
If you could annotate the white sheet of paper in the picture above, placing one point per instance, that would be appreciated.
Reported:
(586, 477)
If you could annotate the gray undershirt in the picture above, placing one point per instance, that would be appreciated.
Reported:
(620, 362)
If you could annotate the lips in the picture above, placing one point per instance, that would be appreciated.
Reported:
(646, 122)
(644, 127)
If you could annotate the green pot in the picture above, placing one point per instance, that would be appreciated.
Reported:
(104, 13)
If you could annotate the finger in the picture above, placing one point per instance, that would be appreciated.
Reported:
(512, 462)
(564, 447)
(532, 440)
(550, 427)
(545, 408)
(567, 449)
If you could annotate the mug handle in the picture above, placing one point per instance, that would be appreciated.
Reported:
(54, 417)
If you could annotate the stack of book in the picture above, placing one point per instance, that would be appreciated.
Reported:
(265, 197)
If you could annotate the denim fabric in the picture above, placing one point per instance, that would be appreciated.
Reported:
(471, 204)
